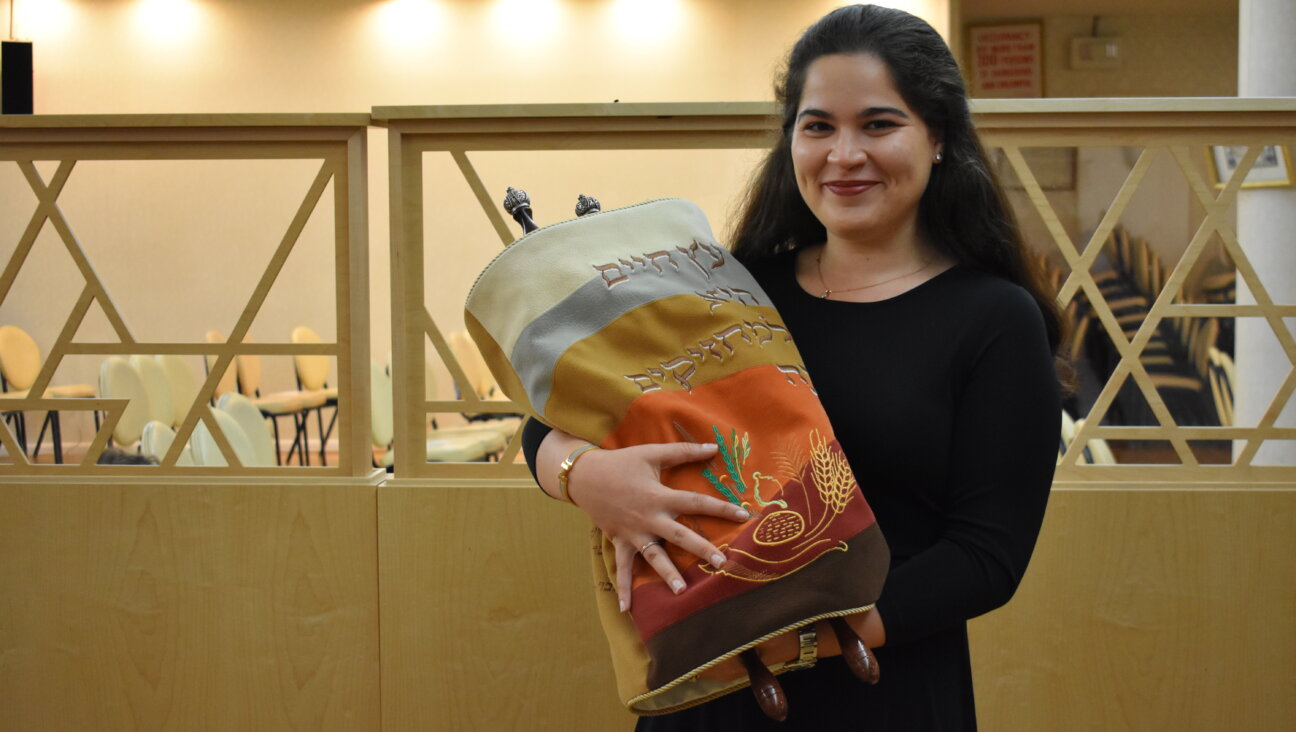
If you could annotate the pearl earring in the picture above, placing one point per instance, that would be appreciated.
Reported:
(938, 157)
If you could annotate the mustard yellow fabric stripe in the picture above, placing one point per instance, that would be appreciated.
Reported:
(673, 343)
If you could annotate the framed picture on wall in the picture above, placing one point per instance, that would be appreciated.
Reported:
(1271, 170)
(1006, 60)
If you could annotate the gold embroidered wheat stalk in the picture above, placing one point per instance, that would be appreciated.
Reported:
(832, 474)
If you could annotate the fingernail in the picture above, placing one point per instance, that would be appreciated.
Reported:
(742, 514)
(677, 586)
(710, 447)
(623, 604)
(717, 560)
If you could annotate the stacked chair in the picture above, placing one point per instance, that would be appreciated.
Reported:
(207, 452)
(1132, 280)
(261, 444)
(312, 376)
(275, 406)
(470, 444)
(1095, 452)
(168, 392)
(483, 385)
(20, 364)
(1222, 375)
(118, 379)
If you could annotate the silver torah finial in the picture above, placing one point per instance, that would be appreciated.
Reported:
(587, 205)
(518, 205)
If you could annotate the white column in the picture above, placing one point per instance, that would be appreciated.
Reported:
(1266, 226)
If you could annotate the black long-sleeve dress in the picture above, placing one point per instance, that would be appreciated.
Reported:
(945, 401)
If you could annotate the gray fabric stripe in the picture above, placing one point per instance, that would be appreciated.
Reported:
(594, 305)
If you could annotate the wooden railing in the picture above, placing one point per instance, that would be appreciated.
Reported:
(336, 141)
(1179, 131)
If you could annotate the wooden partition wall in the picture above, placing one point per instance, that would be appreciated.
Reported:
(1160, 595)
(454, 596)
(175, 596)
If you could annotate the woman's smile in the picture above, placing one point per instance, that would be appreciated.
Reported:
(849, 187)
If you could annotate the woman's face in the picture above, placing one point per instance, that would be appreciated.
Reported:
(862, 157)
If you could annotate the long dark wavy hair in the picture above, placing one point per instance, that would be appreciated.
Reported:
(963, 212)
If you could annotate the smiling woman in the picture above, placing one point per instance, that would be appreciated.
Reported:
(877, 232)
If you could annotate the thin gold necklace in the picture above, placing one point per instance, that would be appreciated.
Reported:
(826, 292)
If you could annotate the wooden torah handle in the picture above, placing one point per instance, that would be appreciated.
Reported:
(858, 656)
(768, 691)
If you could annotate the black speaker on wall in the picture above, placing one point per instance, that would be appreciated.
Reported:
(15, 77)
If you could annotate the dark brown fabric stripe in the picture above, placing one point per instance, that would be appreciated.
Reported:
(822, 587)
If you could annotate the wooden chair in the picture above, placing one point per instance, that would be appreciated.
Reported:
(312, 376)
(158, 388)
(156, 440)
(274, 406)
(180, 384)
(254, 429)
(1221, 376)
(20, 364)
(458, 448)
(118, 379)
(207, 452)
(228, 380)
(483, 384)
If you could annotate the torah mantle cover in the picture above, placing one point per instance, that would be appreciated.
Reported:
(635, 326)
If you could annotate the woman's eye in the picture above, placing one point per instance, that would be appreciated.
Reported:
(879, 124)
(817, 126)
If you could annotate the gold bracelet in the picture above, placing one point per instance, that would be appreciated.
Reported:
(564, 470)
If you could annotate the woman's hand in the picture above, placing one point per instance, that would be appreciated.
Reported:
(622, 492)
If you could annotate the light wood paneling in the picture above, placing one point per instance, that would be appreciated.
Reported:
(488, 614)
(1148, 609)
(128, 606)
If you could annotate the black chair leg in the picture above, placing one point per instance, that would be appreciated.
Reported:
(319, 423)
(56, 434)
(296, 448)
(40, 436)
(20, 430)
(278, 450)
(52, 424)
(302, 433)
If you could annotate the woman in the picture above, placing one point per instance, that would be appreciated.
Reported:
(876, 228)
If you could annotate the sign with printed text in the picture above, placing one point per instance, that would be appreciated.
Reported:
(1006, 61)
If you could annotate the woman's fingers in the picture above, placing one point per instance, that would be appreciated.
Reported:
(686, 502)
(690, 541)
(656, 556)
(624, 572)
(668, 455)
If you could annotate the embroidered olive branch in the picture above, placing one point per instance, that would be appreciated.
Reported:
(730, 459)
(724, 489)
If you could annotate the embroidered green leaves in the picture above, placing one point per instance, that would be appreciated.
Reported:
(734, 453)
